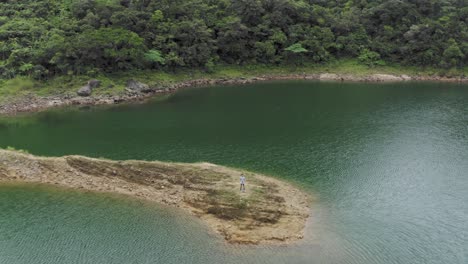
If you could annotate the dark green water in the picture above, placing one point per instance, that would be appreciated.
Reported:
(389, 163)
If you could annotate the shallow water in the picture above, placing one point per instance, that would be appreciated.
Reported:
(388, 162)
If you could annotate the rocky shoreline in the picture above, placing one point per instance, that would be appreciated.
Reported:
(141, 92)
(269, 212)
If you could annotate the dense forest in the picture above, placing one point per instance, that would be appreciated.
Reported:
(46, 38)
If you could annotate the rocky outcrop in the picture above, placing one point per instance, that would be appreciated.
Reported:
(269, 212)
(357, 78)
(84, 91)
(137, 87)
(385, 78)
(406, 77)
(88, 88)
(329, 77)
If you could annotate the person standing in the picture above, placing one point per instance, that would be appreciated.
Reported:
(242, 183)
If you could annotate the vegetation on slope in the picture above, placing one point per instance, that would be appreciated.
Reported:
(43, 39)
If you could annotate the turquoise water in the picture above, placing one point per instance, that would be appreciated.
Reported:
(388, 162)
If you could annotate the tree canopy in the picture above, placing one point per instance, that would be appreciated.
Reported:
(43, 38)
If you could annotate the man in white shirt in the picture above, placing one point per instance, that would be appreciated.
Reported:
(242, 183)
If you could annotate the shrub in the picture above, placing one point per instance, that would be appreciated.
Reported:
(370, 58)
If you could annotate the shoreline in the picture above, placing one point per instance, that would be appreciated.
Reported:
(270, 212)
(34, 103)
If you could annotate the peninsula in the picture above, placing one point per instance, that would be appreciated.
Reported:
(269, 212)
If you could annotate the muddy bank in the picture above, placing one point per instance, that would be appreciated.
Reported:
(36, 103)
(269, 212)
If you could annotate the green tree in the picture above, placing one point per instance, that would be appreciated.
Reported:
(295, 53)
(452, 55)
(104, 49)
(67, 37)
(26, 68)
(155, 56)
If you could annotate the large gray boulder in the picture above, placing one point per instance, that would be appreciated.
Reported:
(85, 91)
(137, 87)
(88, 88)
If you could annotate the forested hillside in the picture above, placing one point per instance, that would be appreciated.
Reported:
(45, 38)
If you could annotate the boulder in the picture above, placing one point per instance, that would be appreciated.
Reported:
(406, 77)
(137, 87)
(88, 88)
(85, 90)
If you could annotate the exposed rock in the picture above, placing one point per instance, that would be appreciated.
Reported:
(329, 77)
(385, 78)
(312, 77)
(88, 88)
(53, 103)
(85, 91)
(269, 212)
(137, 87)
(406, 77)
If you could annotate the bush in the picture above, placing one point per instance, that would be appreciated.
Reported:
(370, 58)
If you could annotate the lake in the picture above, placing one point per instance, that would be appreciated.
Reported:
(388, 164)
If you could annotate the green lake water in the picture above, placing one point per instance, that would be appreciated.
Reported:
(388, 163)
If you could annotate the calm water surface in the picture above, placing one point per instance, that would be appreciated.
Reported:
(388, 163)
